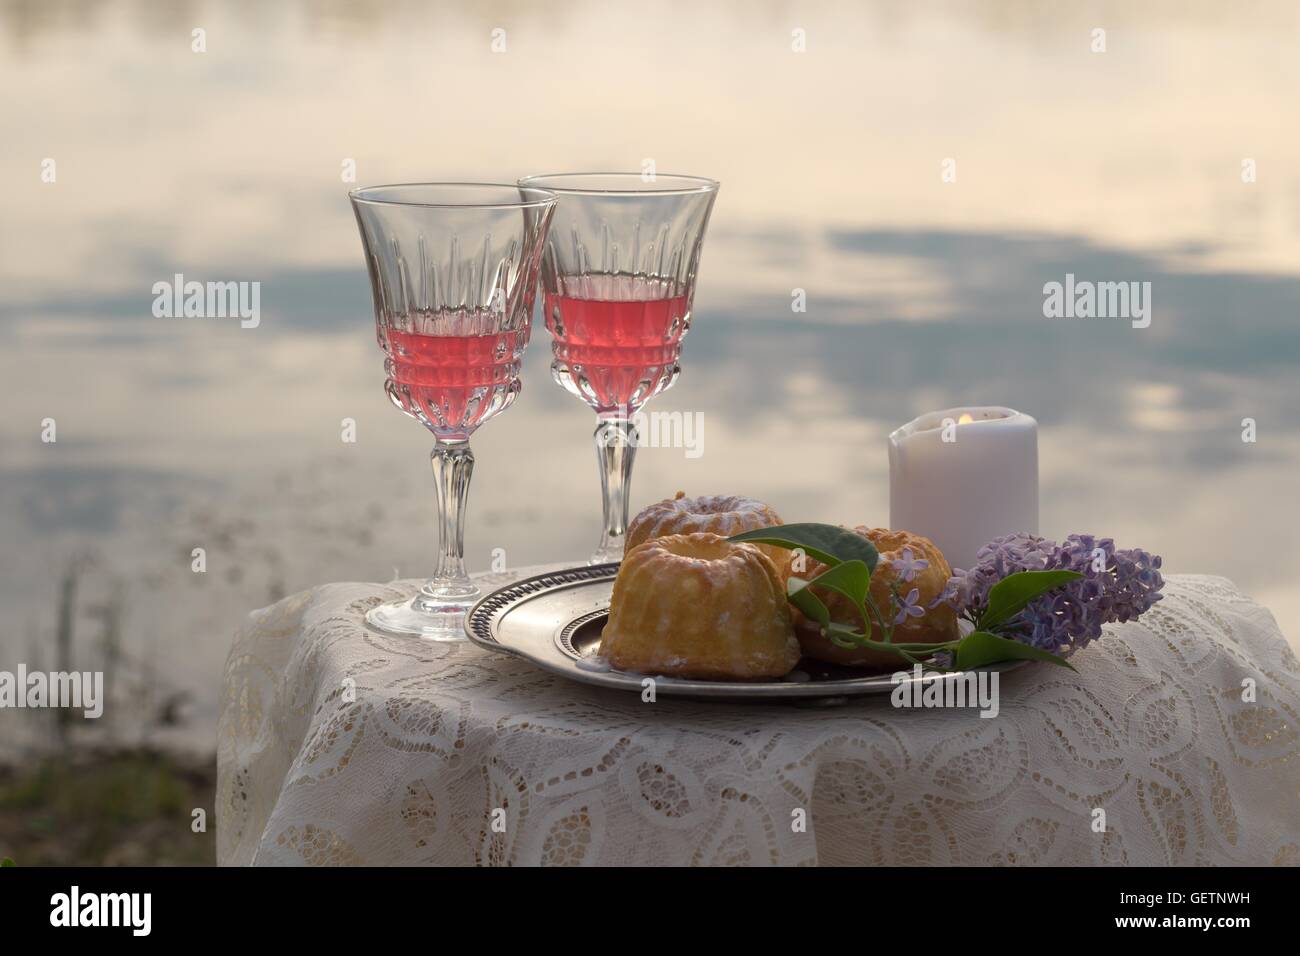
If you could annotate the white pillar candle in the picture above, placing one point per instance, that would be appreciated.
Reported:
(963, 476)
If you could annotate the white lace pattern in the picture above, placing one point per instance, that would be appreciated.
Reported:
(338, 745)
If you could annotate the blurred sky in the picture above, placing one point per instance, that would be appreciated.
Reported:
(225, 165)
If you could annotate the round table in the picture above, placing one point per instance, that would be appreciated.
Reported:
(1175, 744)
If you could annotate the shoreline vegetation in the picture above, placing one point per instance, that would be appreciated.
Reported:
(109, 791)
(129, 806)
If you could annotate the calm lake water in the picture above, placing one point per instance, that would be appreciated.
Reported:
(172, 434)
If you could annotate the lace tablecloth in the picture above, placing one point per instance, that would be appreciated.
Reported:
(338, 745)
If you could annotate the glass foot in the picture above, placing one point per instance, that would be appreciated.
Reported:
(430, 617)
(607, 555)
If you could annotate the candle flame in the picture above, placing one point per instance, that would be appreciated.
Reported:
(965, 419)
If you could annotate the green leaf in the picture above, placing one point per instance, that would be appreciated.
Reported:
(796, 589)
(843, 636)
(827, 543)
(1009, 596)
(982, 648)
(852, 579)
(7, 862)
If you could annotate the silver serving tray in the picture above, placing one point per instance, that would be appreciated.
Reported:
(554, 620)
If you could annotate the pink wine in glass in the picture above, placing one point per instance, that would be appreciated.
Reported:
(453, 327)
(453, 383)
(616, 338)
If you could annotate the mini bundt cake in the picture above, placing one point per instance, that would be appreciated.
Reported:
(723, 515)
(936, 625)
(699, 606)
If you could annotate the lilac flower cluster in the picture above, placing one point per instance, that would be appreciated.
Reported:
(1117, 585)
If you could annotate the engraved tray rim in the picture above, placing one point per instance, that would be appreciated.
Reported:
(483, 627)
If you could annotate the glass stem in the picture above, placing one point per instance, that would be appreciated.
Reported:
(616, 440)
(453, 465)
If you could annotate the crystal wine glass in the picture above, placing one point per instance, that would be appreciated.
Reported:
(453, 274)
(618, 278)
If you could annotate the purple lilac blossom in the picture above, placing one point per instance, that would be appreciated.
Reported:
(1117, 585)
(908, 566)
(907, 606)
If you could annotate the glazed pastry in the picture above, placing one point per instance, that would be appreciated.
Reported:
(699, 606)
(720, 514)
(937, 625)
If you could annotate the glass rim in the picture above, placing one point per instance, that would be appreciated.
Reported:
(544, 197)
(663, 184)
